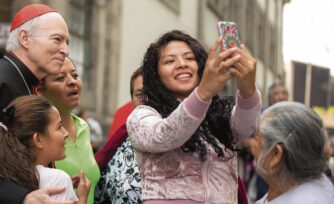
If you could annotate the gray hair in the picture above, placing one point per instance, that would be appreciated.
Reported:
(300, 131)
(30, 26)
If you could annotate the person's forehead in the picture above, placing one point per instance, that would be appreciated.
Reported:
(54, 115)
(279, 88)
(178, 47)
(51, 24)
(138, 82)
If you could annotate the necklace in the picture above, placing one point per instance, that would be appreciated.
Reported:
(19, 73)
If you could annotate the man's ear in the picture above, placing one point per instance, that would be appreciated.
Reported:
(38, 140)
(38, 91)
(23, 38)
(276, 157)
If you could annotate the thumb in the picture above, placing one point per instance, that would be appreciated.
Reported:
(82, 177)
(55, 190)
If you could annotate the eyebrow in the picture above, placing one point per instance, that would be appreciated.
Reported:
(61, 36)
(172, 55)
(138, 90)
(57, 35)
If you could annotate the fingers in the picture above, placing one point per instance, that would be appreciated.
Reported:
(75, 176)
(228, 53)
(214, 47)
(238, 70)
(246, 58)
(82, 177)
(214, 59)
(230, 61)
(84, 180)
(243, 47)
(225, 76)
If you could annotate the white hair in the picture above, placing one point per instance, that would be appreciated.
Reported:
(29, 26)
(300, 132)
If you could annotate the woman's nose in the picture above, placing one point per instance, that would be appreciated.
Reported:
(181, 63)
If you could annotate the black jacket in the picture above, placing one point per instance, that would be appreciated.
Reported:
(11, 193)
(11, 82)
(12, 86)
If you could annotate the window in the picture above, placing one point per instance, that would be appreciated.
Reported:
(5, 19)
(5, 10)
(273, 49)
(4, 34)
(174, 5)
(220, 8)
(79, 24)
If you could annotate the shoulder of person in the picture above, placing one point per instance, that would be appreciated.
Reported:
(61, 175)
(52, 177)
(143, 111)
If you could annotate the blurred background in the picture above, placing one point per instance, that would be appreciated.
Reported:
(293, 41)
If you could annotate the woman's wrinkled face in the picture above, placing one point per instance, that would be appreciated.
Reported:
(178, 69)
(257, 145)
(259, 155)
(63, 89)
(264, 157)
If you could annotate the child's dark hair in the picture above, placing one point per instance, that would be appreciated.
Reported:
(24, 116)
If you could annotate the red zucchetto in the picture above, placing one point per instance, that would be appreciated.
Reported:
(29, 12)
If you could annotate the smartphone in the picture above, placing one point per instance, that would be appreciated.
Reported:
(230, 34)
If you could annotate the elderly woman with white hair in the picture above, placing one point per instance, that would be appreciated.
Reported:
(290, 141)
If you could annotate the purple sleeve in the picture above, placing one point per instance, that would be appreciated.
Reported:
(149, 132)
(244, 115)
(195, 106)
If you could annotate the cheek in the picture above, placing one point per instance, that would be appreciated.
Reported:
(79, 84)
(165, 79)
(55, 93)
(197, 78)
(256, 150)
(165, 71)
(161, 75)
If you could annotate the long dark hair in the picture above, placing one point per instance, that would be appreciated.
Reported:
(25, 116)
(216, 123)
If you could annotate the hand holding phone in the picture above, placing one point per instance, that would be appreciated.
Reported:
(230, 34)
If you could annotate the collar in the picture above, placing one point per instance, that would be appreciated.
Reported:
(80, 123)
(30, 78)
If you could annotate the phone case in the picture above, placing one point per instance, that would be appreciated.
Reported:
(230, 34)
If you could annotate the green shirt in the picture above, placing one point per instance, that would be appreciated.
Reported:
(80, 156)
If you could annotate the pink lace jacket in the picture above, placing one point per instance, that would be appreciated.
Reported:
(169, 173)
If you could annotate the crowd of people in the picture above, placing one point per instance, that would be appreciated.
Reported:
(181, 142)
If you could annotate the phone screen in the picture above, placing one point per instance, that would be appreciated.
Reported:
(230, 34)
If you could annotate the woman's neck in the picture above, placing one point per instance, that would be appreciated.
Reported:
(276, 188)
(69, 124)
(40, 161)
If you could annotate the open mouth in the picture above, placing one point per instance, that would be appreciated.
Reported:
(73, 93)
(183, 76)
